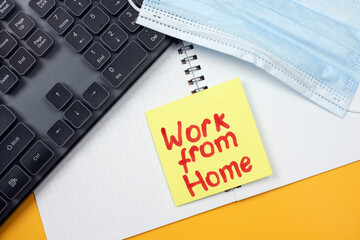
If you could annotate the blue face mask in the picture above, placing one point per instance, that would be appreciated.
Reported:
(313, 46)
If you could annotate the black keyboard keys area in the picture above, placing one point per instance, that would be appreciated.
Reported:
(128, 19)
(49, 102)
(77, 114)
(21, 25)
(150, 38)
(113, 6)
(60, 133)
(7, 43)
(78, 38)
(13, 182)
(7, 79)
(114, 37)
(59, 96)
(95, 95)
(14, 143)
(5, 8)
(37, 157)
(97, 56)
(77, 7)
(40, 42)
(96, 19)
(60, 20)
(42, 7)
(22, 61)
(124, 64)
(7, 118)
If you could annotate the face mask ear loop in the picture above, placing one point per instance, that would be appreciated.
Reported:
(133, 5)
(354, 110)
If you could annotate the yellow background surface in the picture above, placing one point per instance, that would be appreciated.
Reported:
(324, 207)
(227, 99)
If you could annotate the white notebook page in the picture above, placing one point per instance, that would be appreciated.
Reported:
(112, 186)
(300, 138)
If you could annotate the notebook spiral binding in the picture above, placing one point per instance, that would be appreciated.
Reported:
(192, 68)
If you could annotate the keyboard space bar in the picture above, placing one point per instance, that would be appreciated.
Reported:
(124, 64)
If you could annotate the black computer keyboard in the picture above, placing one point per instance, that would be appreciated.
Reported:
(63, 65)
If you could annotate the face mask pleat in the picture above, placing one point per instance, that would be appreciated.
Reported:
(344, 11)
(304, 47)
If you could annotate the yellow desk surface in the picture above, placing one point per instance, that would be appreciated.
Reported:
(326, 206)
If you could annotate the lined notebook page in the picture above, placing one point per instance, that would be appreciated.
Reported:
(112, 186)
(301, 139)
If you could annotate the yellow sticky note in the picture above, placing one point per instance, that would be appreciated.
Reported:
(208, 142)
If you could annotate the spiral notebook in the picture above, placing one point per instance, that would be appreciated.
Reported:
(112, 186)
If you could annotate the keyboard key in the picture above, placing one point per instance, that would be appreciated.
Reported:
(113, 6)
(7, 118)
(37, 157)
(140, 2)
(14, 143)
(150, 38)
(5, 8)
(78, 38)
(7, 43)
(97, 56)
(60, 20)
(60, 133)
(96, 19)
(22, 61)
(13, 182)
(114, 37)
(59, 96)
(21, 25)
(3, 204)
(124, 64)
(77, 114)
(95, 95)
(7, 79)
(128, 19)
(40, 42)
(42, 7)
(77, 7)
